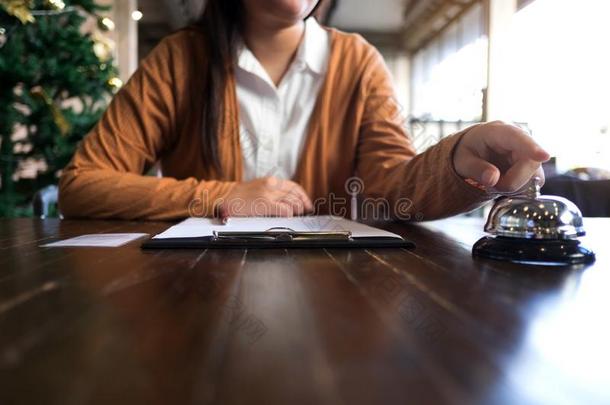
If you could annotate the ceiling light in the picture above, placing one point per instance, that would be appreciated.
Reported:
(137, 15)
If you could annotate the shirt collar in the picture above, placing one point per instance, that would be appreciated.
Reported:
(313, 51)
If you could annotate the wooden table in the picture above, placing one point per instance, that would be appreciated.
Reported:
(432, 325)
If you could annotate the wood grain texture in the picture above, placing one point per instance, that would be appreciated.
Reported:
(320, 326)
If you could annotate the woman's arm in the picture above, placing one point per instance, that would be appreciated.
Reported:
(106, 176)
(424, 186)
(427, 186)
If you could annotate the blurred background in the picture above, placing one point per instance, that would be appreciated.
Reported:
(543, 64)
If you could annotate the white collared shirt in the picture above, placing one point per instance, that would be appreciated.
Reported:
(274, 121)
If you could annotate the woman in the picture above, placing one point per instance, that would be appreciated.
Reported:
(257, 110)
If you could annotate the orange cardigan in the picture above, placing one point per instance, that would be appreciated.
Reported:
(356, 130)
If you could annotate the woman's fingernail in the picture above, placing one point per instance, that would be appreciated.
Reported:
(488, 177)
(544, 154)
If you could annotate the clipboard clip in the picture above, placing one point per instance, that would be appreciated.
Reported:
(282, 234)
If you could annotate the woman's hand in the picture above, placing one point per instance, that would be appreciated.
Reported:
(268, 196)
(499, 156)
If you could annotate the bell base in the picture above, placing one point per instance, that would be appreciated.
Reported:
(533, 251)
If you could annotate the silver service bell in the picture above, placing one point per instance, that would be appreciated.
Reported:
(530, 228)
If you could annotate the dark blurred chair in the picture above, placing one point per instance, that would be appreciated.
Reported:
(589, 173)
(591, 196)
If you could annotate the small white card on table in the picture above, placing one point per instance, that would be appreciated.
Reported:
(98, 240)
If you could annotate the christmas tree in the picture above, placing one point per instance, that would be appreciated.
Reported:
(56, 79)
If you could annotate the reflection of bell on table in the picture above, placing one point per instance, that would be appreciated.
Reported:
(531, 228)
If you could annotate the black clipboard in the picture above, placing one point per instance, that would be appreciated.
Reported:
(274, 238)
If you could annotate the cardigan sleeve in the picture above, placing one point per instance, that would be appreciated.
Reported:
(105, 178)
(418, 186)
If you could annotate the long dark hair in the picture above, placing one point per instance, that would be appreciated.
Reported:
(221, 23)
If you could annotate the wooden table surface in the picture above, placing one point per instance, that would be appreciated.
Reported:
(387, 326)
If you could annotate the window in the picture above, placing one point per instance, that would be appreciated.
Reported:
(450, 73)
(554, 77)
(560, 78)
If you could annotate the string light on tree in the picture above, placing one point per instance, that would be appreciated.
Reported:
(102, 46)
(115, 83)
(105, 24)
(55, 4)
(137, 15)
